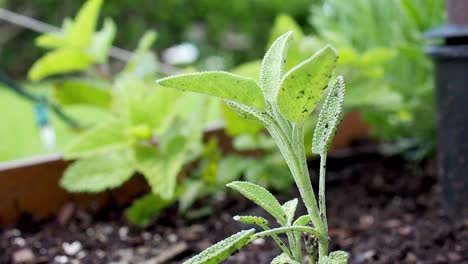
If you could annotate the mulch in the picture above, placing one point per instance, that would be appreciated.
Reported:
(380, 210)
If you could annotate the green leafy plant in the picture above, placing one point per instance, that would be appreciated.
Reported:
(281, 101)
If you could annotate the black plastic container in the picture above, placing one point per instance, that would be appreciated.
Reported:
(451, 81)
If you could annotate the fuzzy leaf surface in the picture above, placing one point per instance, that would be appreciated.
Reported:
(289, 208)
(252, 220)
(283, 259)
(260, 196)
(336, 257)
(221, 84)
(223, 249)
(302, 86)
(272, 69)
(329, 117)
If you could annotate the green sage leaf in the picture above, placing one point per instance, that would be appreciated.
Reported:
(223, 249)
(260, 196)
(272, 69)
(289, 209)
(329, 117)
(336, 257)
(221, 84)
(252, 220)
(302, 87)
(283, 259)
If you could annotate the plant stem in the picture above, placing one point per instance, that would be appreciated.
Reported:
(279, 242)
(323, 245)
(284, 229)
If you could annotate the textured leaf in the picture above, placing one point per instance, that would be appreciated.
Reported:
(272, 69)
(302, 86)
(59, 62)
(329, 117)
(283, 259)
(261, 197)
(221, 84)
(336, 257)
(82, 92)
(84, 25)
(252, 220)
(289, 209)
(145, 208)
(302, 220)
(111, 135)
(99, 173)
(223, 249)
(102, 41)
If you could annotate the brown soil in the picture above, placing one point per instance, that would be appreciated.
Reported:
(381, 210)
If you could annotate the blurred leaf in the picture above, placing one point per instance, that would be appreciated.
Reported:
(82, 30)
(143, 63)
(284, 23)
(98, 173)
(236, 125)
(111, 135)
(85, 92)
(230, 169)
(145, 208)
(58, 62)
(249, 69)
(192, 191)
(102, 41)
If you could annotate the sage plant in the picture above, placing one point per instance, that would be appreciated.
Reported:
(281, 101)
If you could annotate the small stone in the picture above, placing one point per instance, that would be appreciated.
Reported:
(411, 258)
(259, 242)
(12, 233)
(123, 233)
(404, 231)
(73, 248)
(19, 241)
(392, 223)
(454, 257)
(146, 236)
(61, 259)
(81, 255)
(24, 255)
(366, 221)
(365, 256)
(172, 238)
(157, 238)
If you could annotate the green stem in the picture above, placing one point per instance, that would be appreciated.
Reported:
(285, 229)
(323, 246)
(278, 241)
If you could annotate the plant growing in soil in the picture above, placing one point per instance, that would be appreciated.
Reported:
(281, 101)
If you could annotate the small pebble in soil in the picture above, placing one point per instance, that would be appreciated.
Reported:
(73, 248)
(172, 238)
(259, 242)
(61, 259)
(19, 241)
(81, 255)
(123, 233)
(146, 236)
(24, 255)
(364, 256)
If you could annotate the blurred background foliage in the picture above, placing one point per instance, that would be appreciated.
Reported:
(381, 47)
(233, 30)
